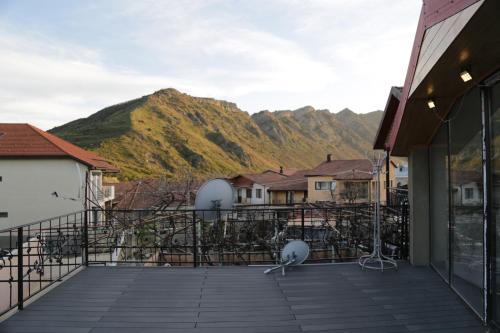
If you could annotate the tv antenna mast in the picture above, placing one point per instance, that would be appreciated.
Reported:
(377, 260)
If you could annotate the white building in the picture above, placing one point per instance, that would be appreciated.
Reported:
(402, 174)
(253, 189)
(43, 176)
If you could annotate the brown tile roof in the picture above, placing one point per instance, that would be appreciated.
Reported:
(296, 182)
(247, 180)
(343, 170)
(24, 140)
(286, 172)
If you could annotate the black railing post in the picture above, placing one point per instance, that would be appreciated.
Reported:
(195, 241)
(20, 264)
(303, 237)
(86, 237)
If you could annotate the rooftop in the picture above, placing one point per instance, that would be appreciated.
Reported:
(344, 169)
(25, 140)
(312, 298)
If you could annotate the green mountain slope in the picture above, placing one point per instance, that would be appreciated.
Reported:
(168, 133)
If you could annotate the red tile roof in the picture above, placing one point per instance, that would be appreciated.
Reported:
(24, 140)
(343, 169)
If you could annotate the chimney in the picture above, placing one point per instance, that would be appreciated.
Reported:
(329, 157)
(281, 170)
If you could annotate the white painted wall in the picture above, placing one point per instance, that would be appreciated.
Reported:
(27, 184)
(265, 198)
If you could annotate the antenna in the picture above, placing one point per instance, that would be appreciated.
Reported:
(377, 260)
(214, 198)
(294, 253)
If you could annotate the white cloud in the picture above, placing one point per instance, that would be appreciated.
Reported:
(263, 54)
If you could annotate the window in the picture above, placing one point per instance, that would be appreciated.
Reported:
(325, 186)
(4, 214)
(249, 192)
(258, 193)
(469, 193)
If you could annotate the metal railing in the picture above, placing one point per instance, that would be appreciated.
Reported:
(397, 196)
(36, 255)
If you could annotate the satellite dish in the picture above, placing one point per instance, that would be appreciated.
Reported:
(213, 199)
(294, 253)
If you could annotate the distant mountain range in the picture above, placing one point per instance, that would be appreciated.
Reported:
(169, 133)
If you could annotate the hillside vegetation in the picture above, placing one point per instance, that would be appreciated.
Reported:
(169, 133)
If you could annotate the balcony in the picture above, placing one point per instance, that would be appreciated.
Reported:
(125, 274)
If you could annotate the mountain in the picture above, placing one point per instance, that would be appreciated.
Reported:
(171, 133)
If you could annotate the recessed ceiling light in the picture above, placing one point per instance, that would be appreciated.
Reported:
(465, 75)
(431, 103)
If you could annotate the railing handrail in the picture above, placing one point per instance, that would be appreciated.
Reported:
(235, 209)
(41, 221)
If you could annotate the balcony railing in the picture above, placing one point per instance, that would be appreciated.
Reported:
(38, 254)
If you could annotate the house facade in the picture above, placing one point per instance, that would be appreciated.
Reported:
(292, 190)
(43, 176)
(447, 122)
(346, 181)
(252, 189)
(402, 175)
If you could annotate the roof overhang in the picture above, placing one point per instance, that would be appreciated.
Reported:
(476, 45)
(387, 119)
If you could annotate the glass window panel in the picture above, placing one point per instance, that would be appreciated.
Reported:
(467, 214)
(439, 204)
(495, 180)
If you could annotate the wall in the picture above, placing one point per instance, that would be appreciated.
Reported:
(418, 183)
(26, 187)
(326, 195)
(321, 195)
(279, 197)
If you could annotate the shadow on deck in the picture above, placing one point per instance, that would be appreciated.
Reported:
(333, 298)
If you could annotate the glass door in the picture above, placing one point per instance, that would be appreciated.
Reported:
(466, 200)
(495, 195)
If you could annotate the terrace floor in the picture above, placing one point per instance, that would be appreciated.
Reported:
(316, 298)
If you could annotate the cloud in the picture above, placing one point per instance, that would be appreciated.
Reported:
(261, 54)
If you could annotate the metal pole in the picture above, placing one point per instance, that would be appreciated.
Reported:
(20, 284)
(86, 237)
(303, 224)
(195, 241)
(86, 221)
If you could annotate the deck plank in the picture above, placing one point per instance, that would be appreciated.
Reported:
(322, 298)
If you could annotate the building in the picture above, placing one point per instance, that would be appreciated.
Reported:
(289, 191)
(346, 181)
(43, 176)
(252, 189)
(447, 122)
(402, 174)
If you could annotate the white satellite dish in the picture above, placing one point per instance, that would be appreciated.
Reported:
(214, 198)
(294, 253)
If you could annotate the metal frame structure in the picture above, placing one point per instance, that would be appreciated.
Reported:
(377, 260)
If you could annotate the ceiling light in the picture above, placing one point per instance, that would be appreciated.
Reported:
(465, 75)
(431, 104)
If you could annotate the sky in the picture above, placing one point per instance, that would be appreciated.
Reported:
(63, 60)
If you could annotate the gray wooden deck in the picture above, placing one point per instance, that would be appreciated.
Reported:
(337, 298)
